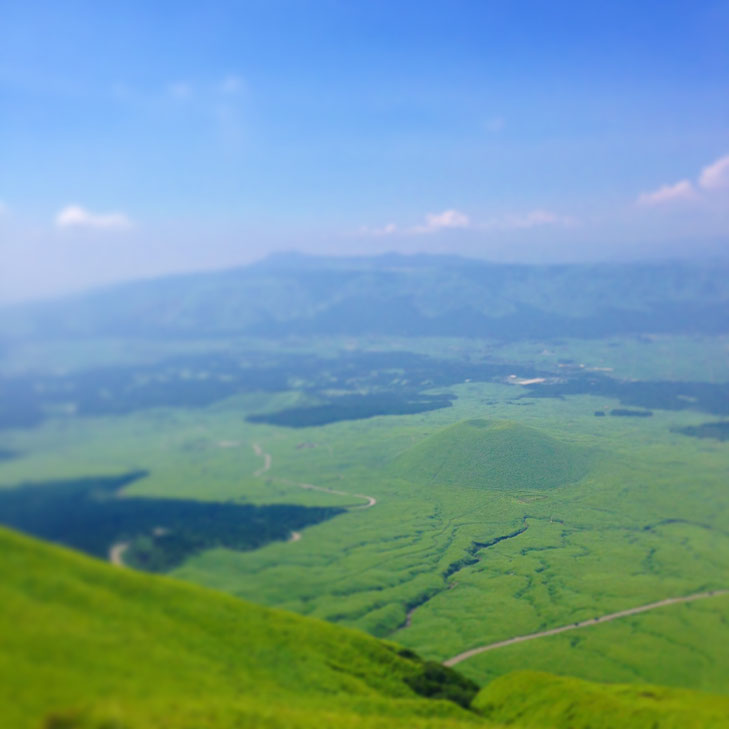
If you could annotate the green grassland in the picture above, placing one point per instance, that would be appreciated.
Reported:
(607, 513)
(532, 699)
(89, 646)
(94, 646)
(655, 356)
(678, 646)
(493, 455)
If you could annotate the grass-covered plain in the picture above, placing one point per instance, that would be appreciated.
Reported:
(640, 513)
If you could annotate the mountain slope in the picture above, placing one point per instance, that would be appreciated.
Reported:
(544, 701)
(396, 295)
(487, 454)
(89, 646)
(84, 643)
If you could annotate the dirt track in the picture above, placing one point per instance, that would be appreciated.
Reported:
(583, 624)
(267, 462)
(116, 553)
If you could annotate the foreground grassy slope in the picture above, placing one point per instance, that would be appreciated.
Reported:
(87, 646)
(501, 455)
(531, 699)
(84, 643)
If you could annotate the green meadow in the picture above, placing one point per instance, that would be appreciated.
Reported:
(94, 646)
(504, 514)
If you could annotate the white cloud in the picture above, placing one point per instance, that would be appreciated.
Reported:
(532, 219)
(389, 229)
(435, 222)
(456, 220)
(715, 175)
(680, 191)
(4, 209)
(74, 216)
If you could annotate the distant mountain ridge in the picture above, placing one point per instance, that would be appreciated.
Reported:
(293, 294)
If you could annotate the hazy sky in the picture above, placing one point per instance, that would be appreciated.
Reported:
(145, 137)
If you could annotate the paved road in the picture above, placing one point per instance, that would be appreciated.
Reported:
(584, 624)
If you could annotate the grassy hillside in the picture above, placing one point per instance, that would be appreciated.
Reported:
(500, 455)
(87, 645)
(531, 699)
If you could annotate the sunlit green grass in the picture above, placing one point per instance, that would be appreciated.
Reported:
(592, 546)
(87, 641)
(540, 700)
(89, 646)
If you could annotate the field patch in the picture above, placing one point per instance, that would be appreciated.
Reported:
(717, 431)
(152, 534)
(707, 397)
(353, 407)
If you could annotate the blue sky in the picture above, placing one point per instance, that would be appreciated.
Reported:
(140, 138)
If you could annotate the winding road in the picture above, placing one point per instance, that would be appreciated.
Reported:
(583, 624)
(116, 557)
(267, 462)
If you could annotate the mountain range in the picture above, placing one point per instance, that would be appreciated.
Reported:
(295, 295)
